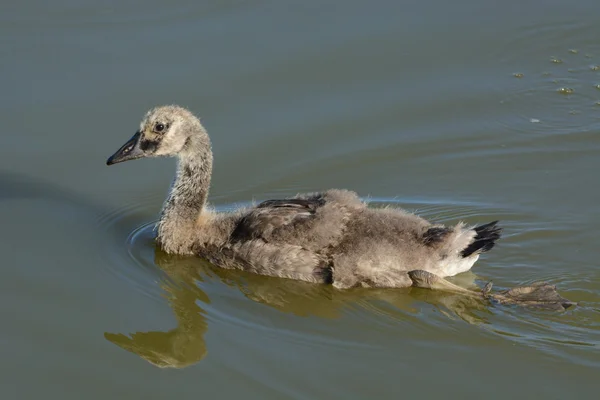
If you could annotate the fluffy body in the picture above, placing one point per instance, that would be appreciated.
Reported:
(328, 237)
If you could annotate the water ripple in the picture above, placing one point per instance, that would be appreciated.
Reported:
(127, 250)
(276, 308)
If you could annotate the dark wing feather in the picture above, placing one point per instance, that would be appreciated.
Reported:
(436, 235)
(309, 204)
(271, 215)
(485, 239)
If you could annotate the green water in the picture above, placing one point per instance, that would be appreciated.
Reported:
(459, 110)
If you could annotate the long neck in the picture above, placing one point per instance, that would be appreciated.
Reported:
(186, 200)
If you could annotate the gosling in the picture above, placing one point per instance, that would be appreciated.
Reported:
(329, 237)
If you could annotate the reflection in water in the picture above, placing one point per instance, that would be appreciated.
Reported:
(185, 345)
(563, 334)
(467, 308)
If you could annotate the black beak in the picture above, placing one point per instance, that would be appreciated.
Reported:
(129, 151)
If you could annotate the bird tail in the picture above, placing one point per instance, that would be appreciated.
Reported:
(484, 240)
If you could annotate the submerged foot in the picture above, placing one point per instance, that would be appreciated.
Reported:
(539, 295)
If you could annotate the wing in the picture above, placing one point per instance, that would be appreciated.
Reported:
(281, 260)
(271, 216)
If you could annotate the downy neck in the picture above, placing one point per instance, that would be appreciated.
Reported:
(187, 198)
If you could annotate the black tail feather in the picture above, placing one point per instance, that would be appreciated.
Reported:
(484, 240)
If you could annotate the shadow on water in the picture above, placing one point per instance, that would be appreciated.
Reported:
(14, 186)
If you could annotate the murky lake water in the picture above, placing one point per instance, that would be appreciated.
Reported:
(455, 110)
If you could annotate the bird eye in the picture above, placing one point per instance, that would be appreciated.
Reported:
(159, 127)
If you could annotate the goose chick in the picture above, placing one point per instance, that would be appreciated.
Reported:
(328, 237)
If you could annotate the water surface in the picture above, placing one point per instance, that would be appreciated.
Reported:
(457, 111)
